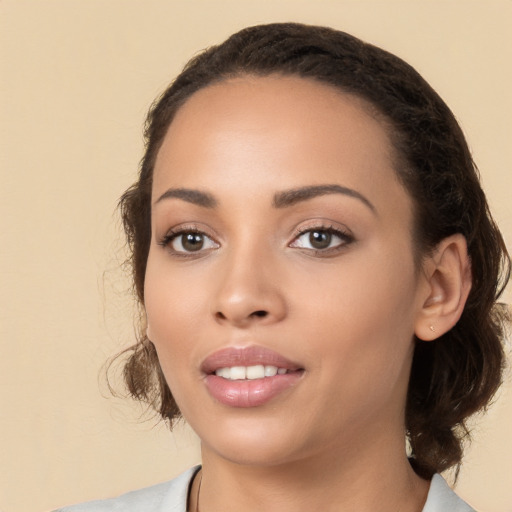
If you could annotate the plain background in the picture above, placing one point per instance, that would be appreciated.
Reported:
(76, 80)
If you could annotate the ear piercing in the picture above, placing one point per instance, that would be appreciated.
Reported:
(431, 327)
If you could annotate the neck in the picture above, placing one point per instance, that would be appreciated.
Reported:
(362, 478)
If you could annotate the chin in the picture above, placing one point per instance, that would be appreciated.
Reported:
(262, 456)
(262, 443)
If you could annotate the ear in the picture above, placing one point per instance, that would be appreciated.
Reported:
(448, 278)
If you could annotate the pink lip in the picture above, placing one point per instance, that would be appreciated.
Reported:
(246, 356)
(248, 393)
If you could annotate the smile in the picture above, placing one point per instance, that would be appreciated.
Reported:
(249, 372)
(249, 376)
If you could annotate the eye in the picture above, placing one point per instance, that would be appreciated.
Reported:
(188, 242)
(321, 239)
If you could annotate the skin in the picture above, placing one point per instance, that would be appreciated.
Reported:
(347, 314)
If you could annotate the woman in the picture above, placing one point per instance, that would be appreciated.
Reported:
(318, 272)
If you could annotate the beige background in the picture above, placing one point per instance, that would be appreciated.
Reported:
(76, 79)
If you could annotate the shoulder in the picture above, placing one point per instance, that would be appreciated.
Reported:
(168, 496)
(441, 498)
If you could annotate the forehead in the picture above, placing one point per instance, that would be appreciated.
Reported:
(282, 104)
(277, 131)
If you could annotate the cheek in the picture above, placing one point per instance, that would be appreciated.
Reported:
(363, 290)
(363, 320)
(363, 354)
(170, 296)
(170, 306)
(169, 314)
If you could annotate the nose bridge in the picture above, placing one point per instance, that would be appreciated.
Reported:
(249, 288)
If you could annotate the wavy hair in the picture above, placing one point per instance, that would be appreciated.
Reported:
(451, 378)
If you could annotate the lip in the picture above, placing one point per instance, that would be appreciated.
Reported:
(246, 356)
(248, 393)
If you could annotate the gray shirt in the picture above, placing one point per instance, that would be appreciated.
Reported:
(172, 497)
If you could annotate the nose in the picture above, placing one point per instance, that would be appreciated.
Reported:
(250, 292)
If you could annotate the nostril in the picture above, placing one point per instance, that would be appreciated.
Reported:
(234, 317)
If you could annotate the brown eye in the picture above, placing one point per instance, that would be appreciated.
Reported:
(190, 241)
(320, 239)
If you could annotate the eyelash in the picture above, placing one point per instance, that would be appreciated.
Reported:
(345, 237)
(174, 234)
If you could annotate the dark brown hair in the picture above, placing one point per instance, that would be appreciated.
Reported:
(456, 375)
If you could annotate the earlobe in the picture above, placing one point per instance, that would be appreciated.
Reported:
(448, 275)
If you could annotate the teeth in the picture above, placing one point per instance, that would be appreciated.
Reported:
(238, 373)
(255, 372)
(223, 372)
(270, 371)
(249, 372)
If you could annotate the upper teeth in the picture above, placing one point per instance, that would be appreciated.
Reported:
(258, 371)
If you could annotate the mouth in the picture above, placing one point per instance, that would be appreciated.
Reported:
(258, 371)
(249, 376)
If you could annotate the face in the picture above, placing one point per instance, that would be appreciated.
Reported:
(281, 291)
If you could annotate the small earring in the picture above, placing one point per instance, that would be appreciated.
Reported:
(432, 328)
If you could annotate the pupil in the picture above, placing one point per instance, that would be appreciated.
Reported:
(320, 239)
(193, 241)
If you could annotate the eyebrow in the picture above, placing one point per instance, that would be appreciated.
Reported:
(189, 195)
(297, 195)
(282, 199)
